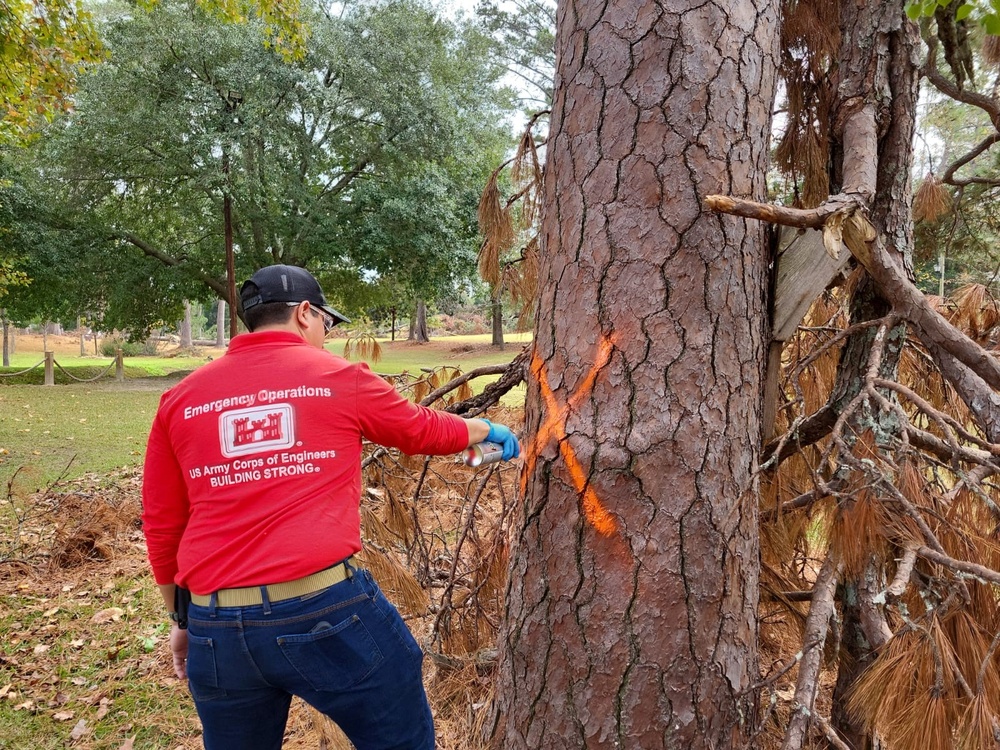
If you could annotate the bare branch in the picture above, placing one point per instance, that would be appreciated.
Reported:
(960, 566)
(830, 733)
(949, 174)
(817, 625)
(904, 569)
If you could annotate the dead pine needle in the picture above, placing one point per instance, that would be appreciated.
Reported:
(931, 201)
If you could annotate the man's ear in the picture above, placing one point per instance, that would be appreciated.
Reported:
(301, 314)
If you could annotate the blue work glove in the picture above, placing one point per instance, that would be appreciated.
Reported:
(503, 437)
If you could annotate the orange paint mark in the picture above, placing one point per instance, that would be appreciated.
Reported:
(555, 427)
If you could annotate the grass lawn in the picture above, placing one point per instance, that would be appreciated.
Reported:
(85, 428)
(466, 352)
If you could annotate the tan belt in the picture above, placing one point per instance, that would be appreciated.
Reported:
(276, 592)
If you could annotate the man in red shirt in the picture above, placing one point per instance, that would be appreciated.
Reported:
(251, 497)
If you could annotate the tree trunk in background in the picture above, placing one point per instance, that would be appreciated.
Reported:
(497, 316)
(880, 60)
(184, 328)
(418, 324)
(6, 338)
(83, 337)
(220, 325)
(632, 604)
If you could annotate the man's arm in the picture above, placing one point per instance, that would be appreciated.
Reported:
(178, 635)
(478, 430)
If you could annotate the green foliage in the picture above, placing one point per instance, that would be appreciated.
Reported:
(417, 230)
(43, 46)
(69, 269)
(188, 108)
(523, 32)
(112, 344)
(985, 12)
(285, 28)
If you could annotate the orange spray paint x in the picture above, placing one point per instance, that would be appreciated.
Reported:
(554, 427)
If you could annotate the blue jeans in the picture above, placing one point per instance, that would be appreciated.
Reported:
(345, 650)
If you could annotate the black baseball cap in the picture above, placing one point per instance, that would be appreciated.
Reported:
(285, 284)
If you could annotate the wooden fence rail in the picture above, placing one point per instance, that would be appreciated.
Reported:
(51, 364)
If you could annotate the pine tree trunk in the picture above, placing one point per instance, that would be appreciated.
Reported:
(632, 604)
(418, 324)
(880, 64)
(497, 323)
(184, 328)
(6, 338)
(220, 325)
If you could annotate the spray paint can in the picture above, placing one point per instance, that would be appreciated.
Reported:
(482, 454)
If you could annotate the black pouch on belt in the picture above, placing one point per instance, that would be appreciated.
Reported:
(182, 600)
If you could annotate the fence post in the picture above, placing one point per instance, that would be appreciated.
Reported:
(50, 373)
(119, 366)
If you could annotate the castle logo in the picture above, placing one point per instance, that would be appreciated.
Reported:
(256, 430)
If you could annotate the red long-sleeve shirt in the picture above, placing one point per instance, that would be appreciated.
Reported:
(253, 471)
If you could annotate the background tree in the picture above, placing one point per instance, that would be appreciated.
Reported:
(508, 255)
(43, 45)
(419, 231)
(631, 607)
(140, 161)
(523, 33)
(955, 206)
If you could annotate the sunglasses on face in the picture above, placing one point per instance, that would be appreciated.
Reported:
(328, 320)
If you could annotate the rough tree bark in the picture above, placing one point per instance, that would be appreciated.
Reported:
(877, 98)
(220, 325)
(631, 610)
(184, 328)
(5, 327)
(418, 324)
(497, 319)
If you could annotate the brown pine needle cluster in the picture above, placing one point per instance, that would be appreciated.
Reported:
(497, 229)
(804, 153)
(439, 386)
(812, 25)
(991, 49)
(810, 40)
(974, 310)
(932, 200)
(363, 346)
(896, 482)
(508, 255)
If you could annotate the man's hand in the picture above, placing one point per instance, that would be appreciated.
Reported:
(179, 650)
(506, 439)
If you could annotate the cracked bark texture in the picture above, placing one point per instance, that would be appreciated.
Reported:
(876, 104)
(637, 628)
